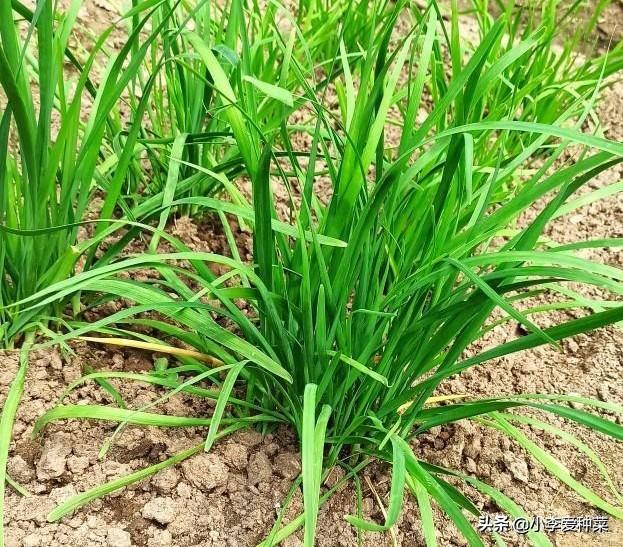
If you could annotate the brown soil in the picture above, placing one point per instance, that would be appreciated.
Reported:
(233, 495)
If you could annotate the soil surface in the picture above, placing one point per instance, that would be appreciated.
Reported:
(233, 495)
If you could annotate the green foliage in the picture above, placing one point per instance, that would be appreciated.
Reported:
(250, 49)
(178, 121)
(48, 184)
(363, 301)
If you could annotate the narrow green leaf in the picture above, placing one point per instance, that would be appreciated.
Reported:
(270, 90)
(222, 401)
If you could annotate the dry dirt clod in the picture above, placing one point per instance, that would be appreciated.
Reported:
(166, 480)
(161, 510)
(55, 361)
(62, 494)
(31, 540)
(206, 472)
(53, 459)
(288, 465)
(116, 537)
(473, 447)
(33, 509)
(572, 345)
(260, 469)
(470, 465)
(19, 469)
(77, 464)
(184, 490)
(517, 467)
(249, 437)
(161, 538)
(236, 455)
(603, 393)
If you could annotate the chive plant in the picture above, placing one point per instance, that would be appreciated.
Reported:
(185, 128)
(364, 305)
(48, 181)
(51, 167)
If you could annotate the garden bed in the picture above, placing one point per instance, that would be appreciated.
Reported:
(232, 495)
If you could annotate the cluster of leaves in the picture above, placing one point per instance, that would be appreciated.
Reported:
(173, 143)
(364, 304)
(184, 124)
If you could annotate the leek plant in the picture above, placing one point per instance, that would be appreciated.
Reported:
(50, 175)
(48, 181)
(365, 304)
(185, 128)
(51, 168)
(42, 185)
